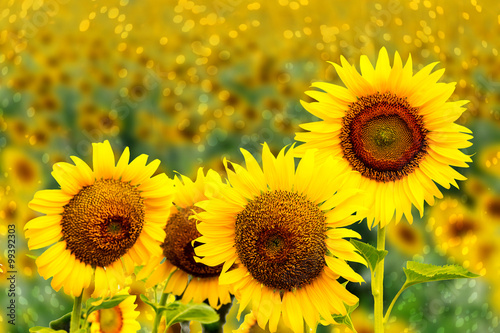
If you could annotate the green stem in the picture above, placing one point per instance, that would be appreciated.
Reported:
(163, 301)
(388, 312)
(76, 314)
(378, 285)
(159, 314)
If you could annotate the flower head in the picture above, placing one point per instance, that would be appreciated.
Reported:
(119, 319)
(101, 223)
(395, 128)
(194, 281)
(278, 232)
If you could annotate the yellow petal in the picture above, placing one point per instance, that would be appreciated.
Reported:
(292, 313)
(134, 168)
(122, 164)
(103, 160)
(43, 222)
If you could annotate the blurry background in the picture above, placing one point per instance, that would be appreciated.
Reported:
(190, 82)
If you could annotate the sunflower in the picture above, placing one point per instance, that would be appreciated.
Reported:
(488, 159)
(395, 128)
(103, 222)
(280, 240)
(464, 235)
(408, 240)
(194, 281)
(119, 319)
(23, 171)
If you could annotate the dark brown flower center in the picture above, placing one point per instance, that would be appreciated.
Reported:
(280, 238)
(462, 227)
(383, 137)
(493, 208)
(407, 234)
(103, 221)
(180, 232)
(24, 171)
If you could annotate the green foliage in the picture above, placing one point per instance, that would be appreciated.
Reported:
(346, 320)
(418, 273)
(176, 312)
(369, 253)
(62, 323)
(148, 302)
(40, 329)
(107, 304)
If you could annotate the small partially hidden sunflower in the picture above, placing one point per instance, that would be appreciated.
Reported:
(193, 280)
(103, 222)
(395, 128)
(278, 233)
(119, 319)
(465, 234)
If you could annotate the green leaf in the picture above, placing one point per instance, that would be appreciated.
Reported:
(346, 320)
(369, 253)
(40, 329)
(62, 323)
(108, 304)
(137, 269)
(418, 273)
(31, 256)
(148, 302)
(176, 312)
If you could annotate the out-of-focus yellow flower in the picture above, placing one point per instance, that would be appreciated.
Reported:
(489, 159)
(462, 234)
(22, 170)
(407, 239)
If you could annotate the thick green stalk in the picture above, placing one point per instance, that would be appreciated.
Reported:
(378, 285)
(76, 314)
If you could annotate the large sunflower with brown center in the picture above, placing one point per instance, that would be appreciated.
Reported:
(194, 281)
(101, 223)
(395, 128)
(278, 233)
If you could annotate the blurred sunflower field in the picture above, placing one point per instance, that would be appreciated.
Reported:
(192, 82)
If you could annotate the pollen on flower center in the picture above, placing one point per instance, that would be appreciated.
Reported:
(383, 137)
(280, 238)
(178, 249)
(103, 221)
